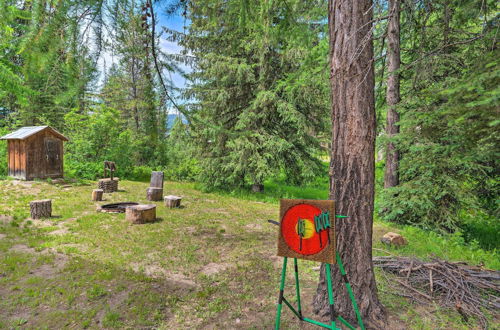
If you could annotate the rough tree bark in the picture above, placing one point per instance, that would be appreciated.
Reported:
(154, 194)
(391, 177)
(172, 201)
(352, 161)
(141, 213)
(97, 194)
(41, 209)
(156, 179)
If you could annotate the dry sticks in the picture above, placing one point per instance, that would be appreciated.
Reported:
(452, 284)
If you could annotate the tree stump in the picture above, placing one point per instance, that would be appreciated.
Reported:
(108, 185)
(172, 201)
(97, 195)
(156, 179)
(154, 194)
(41, 209)
(257, 188)
(141, 213)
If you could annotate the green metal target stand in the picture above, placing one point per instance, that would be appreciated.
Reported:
(298, 312)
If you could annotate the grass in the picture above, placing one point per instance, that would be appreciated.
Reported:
(424, 244)
(83, 269)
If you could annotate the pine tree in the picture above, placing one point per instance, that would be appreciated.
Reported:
(391, 177)
(131, 85)
(53, 65)
(449, 104)
(352, 161)
(248, 111)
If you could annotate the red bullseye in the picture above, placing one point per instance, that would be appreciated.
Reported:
(312, 242)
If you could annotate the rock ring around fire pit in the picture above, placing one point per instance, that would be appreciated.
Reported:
(115, 207)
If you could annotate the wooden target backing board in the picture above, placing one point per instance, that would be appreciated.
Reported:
(307, 230)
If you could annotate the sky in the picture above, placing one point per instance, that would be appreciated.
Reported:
(173, 22)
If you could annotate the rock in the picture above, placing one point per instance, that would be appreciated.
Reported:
(393, 239)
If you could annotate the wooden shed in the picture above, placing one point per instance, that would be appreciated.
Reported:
(35, 152)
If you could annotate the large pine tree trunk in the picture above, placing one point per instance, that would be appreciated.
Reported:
(391, 177)
(352, 164)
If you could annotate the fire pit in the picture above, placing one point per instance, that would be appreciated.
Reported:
(116, 207)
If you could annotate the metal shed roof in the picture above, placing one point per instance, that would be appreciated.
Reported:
(28, 131)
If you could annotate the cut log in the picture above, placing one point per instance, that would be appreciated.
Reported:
(156, 179)
(154, 194)
(97, 195)
(41, 209)
(108, 185)
(141, 213)
(172, 201)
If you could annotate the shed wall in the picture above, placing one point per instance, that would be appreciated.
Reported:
(45, 156)
(17, 159)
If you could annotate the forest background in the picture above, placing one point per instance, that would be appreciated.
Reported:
(245, 102)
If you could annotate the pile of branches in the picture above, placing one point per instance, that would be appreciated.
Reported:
(456, 285)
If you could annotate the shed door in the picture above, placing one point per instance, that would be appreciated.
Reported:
(53, 156)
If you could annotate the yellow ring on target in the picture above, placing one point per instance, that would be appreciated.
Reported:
(309, 228)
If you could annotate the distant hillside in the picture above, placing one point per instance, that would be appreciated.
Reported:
(171, 120)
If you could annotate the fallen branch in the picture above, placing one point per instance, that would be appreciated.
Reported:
(456, 285)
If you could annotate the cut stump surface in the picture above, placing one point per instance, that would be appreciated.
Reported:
(141, 213)
(172, 201)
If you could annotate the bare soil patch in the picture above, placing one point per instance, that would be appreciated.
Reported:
(27, 184)
(22, 249)
(40, 223)
(214, 268)
(51, 270)
(156, 271)
(45, 270)
(254, 226)
(114, 302)
(5, 219)
(60, 231)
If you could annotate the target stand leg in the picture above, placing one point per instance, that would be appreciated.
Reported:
(280, 299)
(297, 288)
(351, 294)
(333, 315)
(328, 275)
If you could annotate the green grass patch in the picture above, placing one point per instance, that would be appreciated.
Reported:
(104, 272)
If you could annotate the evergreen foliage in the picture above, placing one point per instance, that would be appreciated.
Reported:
(256, 108)
(259, 94)
(449, 129)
